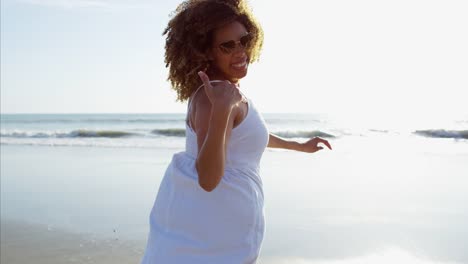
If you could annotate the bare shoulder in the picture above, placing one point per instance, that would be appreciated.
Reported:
(201, 111)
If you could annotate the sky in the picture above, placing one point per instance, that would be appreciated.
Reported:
(386, 58)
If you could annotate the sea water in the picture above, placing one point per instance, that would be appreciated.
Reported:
(388, 191)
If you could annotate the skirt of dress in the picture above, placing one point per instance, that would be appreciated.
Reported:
(190, 225)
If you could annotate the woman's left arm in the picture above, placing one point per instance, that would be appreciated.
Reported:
(309, 146)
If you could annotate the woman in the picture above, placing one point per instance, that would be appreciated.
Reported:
(209, 208)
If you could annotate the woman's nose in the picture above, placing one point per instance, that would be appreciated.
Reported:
(239, 52)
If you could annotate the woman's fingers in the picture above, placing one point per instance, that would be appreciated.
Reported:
(205, 79)
(324, 142)
(207, 85)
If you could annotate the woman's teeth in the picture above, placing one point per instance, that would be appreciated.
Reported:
(240, 65)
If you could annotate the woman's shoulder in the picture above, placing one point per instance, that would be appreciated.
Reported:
(199, 108)
(199, 100)
(200, 111)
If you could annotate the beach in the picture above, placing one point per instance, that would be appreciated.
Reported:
(94, 104)
(33, 243)
(375, 198)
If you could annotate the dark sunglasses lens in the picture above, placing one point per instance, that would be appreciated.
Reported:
(245, 40)
(228, 46)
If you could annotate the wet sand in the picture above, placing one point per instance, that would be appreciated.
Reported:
(32, 243)
(91, 205)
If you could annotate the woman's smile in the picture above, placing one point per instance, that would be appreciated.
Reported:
(242, 65)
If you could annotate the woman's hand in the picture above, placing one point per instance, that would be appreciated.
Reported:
(312, 146)
(221, 94)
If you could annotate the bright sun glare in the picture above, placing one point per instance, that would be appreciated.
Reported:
(387, 256)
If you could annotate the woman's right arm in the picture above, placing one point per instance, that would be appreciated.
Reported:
(214, 120)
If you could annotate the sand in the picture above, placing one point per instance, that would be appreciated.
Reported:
(32, 243)
(343, 206)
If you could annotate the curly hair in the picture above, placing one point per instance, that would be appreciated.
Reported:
(189, 36)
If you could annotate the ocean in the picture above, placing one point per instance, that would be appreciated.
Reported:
(168, 130)
(390, 191)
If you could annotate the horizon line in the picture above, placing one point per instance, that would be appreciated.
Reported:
(129, 113)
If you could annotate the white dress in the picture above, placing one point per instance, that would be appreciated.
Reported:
(224, 226)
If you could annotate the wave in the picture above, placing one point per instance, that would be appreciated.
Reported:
(379, 130)
(80, 133)
(442, 133)
(180, 132)
(97, 120)
(303, 134)
(168, 132)
(100, 133)
(146, 143)
(171, 132)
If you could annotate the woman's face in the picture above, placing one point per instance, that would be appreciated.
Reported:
(229, 59)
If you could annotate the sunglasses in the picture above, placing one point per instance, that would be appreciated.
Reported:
(229, 46)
